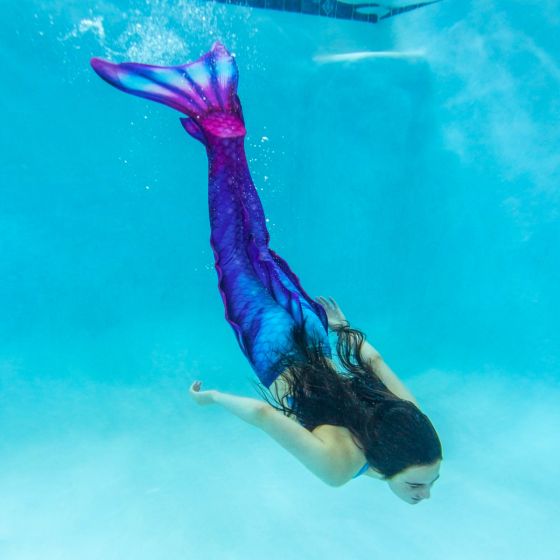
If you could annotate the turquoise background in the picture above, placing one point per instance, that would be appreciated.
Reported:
(419, 188)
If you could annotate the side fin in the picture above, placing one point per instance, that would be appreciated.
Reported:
(317, 308)
(193, 129)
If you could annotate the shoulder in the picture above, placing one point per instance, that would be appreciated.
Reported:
(329, 431)
(324, 451)
(342, 443)
(338, 435)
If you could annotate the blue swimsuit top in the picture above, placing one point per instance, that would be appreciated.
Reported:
(364, 468)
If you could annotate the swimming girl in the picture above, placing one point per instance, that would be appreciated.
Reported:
(340, 422)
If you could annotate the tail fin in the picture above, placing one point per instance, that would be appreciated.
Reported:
(204, 90)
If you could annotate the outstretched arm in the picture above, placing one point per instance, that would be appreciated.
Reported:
(249, 410)
(372, 357)
(368, 353)
(323, 456)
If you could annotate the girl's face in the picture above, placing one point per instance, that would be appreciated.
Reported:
(414, 484)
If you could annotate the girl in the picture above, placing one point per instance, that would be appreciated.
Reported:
(339, 424)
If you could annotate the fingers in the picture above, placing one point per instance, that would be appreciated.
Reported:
(195, 387)
(329, 303)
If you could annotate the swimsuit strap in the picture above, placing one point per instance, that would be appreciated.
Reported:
(362, 470)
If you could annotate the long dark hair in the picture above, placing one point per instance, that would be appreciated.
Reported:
(392, 432)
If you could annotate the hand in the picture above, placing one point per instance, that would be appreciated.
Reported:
(335, 316)
(201, 397)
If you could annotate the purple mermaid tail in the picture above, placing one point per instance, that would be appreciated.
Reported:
(263, 299)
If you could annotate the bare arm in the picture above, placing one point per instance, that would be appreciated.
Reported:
(373, 358)
(368, 353)
(324, 456)
(249, 410)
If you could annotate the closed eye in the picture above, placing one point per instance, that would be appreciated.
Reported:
(412, 485)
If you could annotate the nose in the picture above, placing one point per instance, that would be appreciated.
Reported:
(424, 494)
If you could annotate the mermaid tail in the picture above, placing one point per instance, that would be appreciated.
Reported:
(205, 90)
(263, 299)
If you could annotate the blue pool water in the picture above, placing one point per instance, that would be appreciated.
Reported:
(417, 185)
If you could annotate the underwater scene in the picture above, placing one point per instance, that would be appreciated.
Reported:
(274, 180)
